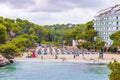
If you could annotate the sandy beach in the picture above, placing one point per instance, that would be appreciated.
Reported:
(86, 58)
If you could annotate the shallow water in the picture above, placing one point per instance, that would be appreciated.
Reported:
(53, 71)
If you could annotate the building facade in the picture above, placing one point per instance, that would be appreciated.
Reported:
(106, 22)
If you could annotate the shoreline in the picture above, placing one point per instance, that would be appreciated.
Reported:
(87, 58)
(66, 61)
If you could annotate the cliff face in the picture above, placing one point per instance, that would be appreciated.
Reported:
(3, 61)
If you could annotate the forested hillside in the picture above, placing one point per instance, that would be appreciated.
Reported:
(16, 35)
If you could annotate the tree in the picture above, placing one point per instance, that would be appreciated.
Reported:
(85, 45)
(90, 34)
(68, 38)
(8, 26)
(100, 44)
(3, 34)
(16, 29)
(89, 25)
(116, 41)
(115, 36)
(115, 70)
(1, 20)
(8, 50)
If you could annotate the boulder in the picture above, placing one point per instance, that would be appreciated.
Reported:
(3, 61)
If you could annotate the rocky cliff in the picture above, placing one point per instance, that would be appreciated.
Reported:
(3, 61)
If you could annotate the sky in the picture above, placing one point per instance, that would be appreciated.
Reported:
(48, 12)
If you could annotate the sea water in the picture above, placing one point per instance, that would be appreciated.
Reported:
(53, 71)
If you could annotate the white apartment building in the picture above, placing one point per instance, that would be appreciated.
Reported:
(106, 22)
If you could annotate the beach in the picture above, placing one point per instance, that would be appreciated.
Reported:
(86, 58)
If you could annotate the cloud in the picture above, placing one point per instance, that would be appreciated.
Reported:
(75, 16)
(54, 11)
(18, 4)
(63, 5)
(52, 5)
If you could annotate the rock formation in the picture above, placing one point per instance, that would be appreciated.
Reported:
(3, 61)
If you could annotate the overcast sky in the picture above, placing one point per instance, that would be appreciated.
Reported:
(46, 12)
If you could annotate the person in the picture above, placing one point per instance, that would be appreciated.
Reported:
(33, 54)
(57, 51)
(21, 54)
(39, 51)
(74, 56)
(63, 58)
(29, 54)
(45, 51)
(41, 57)
(83, 54)
(101, 54)
(56, 57)
(50, 51)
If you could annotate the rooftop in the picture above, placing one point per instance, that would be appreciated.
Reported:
(115, 8)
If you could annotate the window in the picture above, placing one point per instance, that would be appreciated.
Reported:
(116, 28)
(117, 17)
(107, 18)
(117, 23)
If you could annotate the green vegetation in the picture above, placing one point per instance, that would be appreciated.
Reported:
(87, 33)
(100, 44)
(116, 42)
(64, 34)
(3, 34)
(115, 67)
(58, 32)
(17, 35)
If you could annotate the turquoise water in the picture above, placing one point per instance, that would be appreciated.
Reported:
(53, 71)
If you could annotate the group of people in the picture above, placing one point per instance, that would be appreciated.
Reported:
(31, 54)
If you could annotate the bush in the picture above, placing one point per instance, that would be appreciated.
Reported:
(3, 34)
(100, 44)
(85, 45)
(112, 49)
(57, 44)
(45, 42)
(115, 67)
(8, 50)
